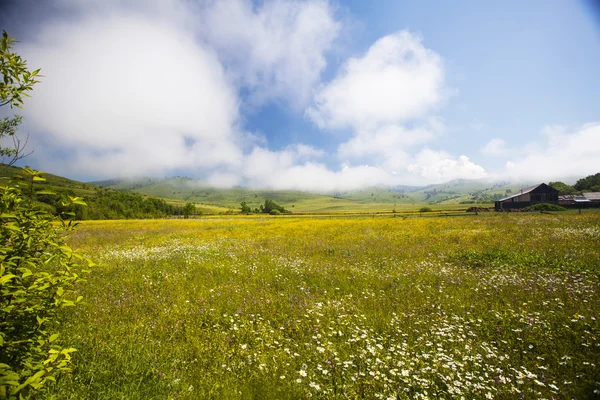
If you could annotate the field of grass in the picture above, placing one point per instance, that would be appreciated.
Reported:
(490, 306)
(52, 182)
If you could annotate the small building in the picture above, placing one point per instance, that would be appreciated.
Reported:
(589, 199)
(541, 193)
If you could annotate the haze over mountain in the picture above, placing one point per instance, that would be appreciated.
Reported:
(313, 95)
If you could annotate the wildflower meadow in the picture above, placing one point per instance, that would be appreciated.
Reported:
(478, 307)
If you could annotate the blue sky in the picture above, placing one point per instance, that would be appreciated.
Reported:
(313, 95)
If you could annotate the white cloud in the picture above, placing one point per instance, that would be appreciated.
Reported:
(287, 170)
(135, 88)
(145, 88)
(438, 167)
(561, 155)
(495, 147)
(283, 170)
(275, 48)
(387, 141)
(130, 95)
(398, 79)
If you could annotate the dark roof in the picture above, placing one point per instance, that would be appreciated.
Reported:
(584, 197)
(594, 196)
(523, 191)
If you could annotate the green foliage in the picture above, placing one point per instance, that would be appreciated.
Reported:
(38, 276)
(544, 207)
(15, 82)
(16, 79)
(275, 212)
(590, 183)
(189, 209)
(562, 187)
(270, 205)
(101, 203)
(38, 271)
(245, 208)
(425, 209)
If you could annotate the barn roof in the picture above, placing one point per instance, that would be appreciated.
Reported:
(592, 196)
(523, 191)
(584, 197)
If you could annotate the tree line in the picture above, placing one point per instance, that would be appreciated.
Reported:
(108, 204)
(270, 207)
(590, 183)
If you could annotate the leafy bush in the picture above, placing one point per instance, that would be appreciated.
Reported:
(544, 207)
(38, 277)
(425, 209)
(271, 206)
(275, 212)
(38, 272)
(590, 183)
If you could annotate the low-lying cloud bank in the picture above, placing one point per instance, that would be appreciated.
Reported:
(135, 88)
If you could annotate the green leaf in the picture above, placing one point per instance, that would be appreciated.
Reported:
(6, 278)
(53, 337)
(38, 179)
(48, 192)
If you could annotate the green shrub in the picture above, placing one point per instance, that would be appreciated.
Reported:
(425, 209)
(38, 276)
(38, 272)
(275, 212)
(544, 207)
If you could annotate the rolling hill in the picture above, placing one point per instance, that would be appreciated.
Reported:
(375, 199)
(103, 203)
(177, 191)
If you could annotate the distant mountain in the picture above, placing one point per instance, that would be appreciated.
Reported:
(191, 190)
(375, 198)
(176, 191)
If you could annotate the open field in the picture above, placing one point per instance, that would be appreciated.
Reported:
(494, 306)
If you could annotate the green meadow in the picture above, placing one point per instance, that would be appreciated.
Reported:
(489, 306)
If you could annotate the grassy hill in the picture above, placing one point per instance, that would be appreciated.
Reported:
(376, 199)
(53, 182)
(191, 190)
(102, 203)
(104, 197)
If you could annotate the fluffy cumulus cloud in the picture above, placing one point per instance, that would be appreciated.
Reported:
(149, 87)
(495, 147)
(561, 154)
(287, 170)
(157, 87)
(276, 48)
(396, 82)
(398, 79)
(128, 95)
(438, 167)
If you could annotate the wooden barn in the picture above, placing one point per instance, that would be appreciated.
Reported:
(541, 193)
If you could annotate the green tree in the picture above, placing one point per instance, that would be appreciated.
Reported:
(15, 84)
(245, 208)
(270, 205)
(562, 187)
(590, 183)
(38, 271)
(189, 209)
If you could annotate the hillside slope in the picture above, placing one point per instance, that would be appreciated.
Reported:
(102, 203)
(373, 199)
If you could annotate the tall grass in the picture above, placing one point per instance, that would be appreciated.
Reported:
(497, 306)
